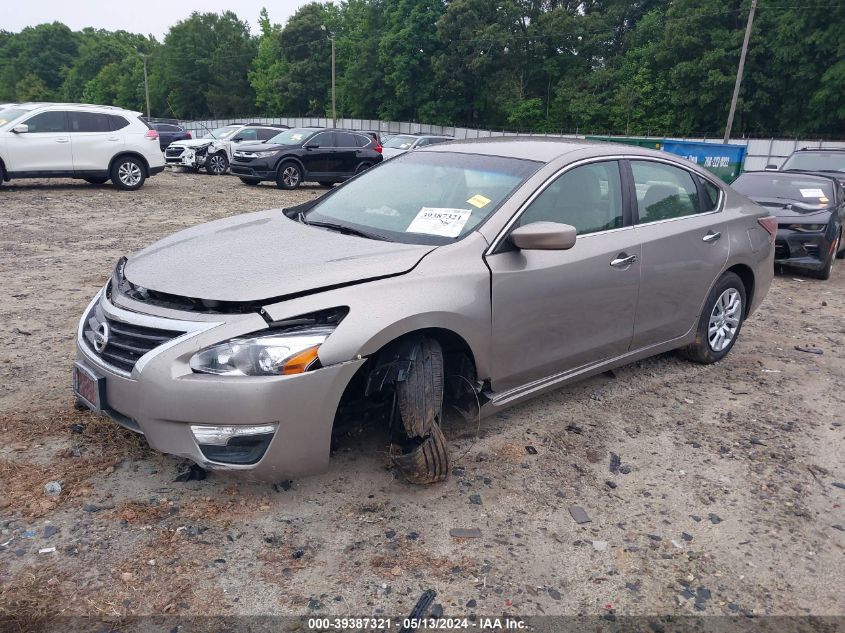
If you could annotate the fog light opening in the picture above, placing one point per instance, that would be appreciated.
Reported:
(234, 444)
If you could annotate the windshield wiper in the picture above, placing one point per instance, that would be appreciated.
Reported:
(342, 228)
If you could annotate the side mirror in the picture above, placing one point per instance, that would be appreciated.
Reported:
(771, 167)
(312, 146)
(23, 128)
(544, 236)
(237, 139)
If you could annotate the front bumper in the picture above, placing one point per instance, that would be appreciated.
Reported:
(161, 397)
(258, 169)
(185, 156)
(802, 250)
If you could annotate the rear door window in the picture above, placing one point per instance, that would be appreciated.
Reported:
(663, 191)
(345, 139)
(48, 122)
(89, 122)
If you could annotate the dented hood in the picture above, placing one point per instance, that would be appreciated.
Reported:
(264, 255)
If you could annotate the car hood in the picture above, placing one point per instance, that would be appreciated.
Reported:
(264, 255)
(784, 208)
(264, 147)
(390, 152)
(195, 142)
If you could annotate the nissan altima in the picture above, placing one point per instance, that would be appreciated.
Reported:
(478, 273)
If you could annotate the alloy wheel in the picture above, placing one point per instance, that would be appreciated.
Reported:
(290, 176)
(218, 165)
(129, 174)
(724, 319)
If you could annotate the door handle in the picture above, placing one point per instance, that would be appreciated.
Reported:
(623, 260)
(62, 140)
(712, 236)
(113, 138)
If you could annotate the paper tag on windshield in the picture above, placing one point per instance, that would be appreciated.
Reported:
(443, 222)
(479, 201)
(812, 193)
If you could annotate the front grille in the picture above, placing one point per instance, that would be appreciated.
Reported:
(173, 152)
(126, 342)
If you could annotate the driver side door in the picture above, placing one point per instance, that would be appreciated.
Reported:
(557, 310)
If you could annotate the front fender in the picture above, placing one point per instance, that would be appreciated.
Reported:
(448, 290)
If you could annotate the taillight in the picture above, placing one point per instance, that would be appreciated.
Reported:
(151, 134)
(769, 223)
(378, 148)
(189, 135)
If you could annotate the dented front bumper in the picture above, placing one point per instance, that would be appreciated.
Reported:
(162, 398)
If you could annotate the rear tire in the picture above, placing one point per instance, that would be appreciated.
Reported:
(128, 174)
(363, 167)
(421, 454)
(250, 181)
(217, 164)
(289, 176)
(96, 181)
(720, 322)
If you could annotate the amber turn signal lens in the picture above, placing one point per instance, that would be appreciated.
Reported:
(299, 364)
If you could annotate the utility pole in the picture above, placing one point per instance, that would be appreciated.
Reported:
(146, 82)
(331, 37)
(739, 71)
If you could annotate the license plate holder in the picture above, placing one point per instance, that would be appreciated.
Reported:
(89, 387)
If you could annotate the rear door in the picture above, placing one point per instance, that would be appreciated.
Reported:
(685, 246)
(93, 141)
(44, 148)
(555, 311)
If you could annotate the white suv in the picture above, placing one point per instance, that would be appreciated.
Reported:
(214, 149)
(70, 140)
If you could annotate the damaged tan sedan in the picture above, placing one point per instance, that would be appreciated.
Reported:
(482, 272)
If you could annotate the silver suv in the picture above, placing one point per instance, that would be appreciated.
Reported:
(214, 149)
(71, 140)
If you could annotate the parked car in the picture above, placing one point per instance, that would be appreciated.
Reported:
(486, 271)
(170, 132)
(302, 154)
(826, 160)
(402, 143)
(71, 140)
(811, 213)
(214, 150)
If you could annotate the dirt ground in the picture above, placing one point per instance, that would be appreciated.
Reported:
(729, 499)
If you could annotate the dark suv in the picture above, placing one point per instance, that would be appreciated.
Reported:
(826, 160)
(169, 132)
(315, 154)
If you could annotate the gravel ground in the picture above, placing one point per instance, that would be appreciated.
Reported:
(726, 498)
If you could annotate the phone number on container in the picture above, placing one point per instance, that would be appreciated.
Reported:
(382, 624)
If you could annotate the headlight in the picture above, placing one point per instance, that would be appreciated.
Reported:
(264, 154)
(272, 354)
(806, 228)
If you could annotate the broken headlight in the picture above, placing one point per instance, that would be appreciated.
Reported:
(279, 353)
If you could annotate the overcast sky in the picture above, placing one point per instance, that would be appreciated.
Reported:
(150, 17)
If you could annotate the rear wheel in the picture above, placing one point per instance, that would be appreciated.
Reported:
(289, 176)
(127, 173)
(419, 450)
(217, 164)
(720, 321)
(96, 181)
(363, 167)
(250, 181)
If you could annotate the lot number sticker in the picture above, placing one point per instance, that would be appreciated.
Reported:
(812, 193)
(443, 222)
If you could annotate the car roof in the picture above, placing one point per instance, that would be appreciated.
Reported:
(795, 172)
(820, 149)
(544, 149)
(32, 105)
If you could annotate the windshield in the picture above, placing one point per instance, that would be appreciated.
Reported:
(223, 132)
(784, 186)
(400, 142)
(10, 114)
(816, 161)
(423, 197)
(292, 137)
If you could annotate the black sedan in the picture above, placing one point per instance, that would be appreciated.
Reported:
(326, 156)
(810, 210)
